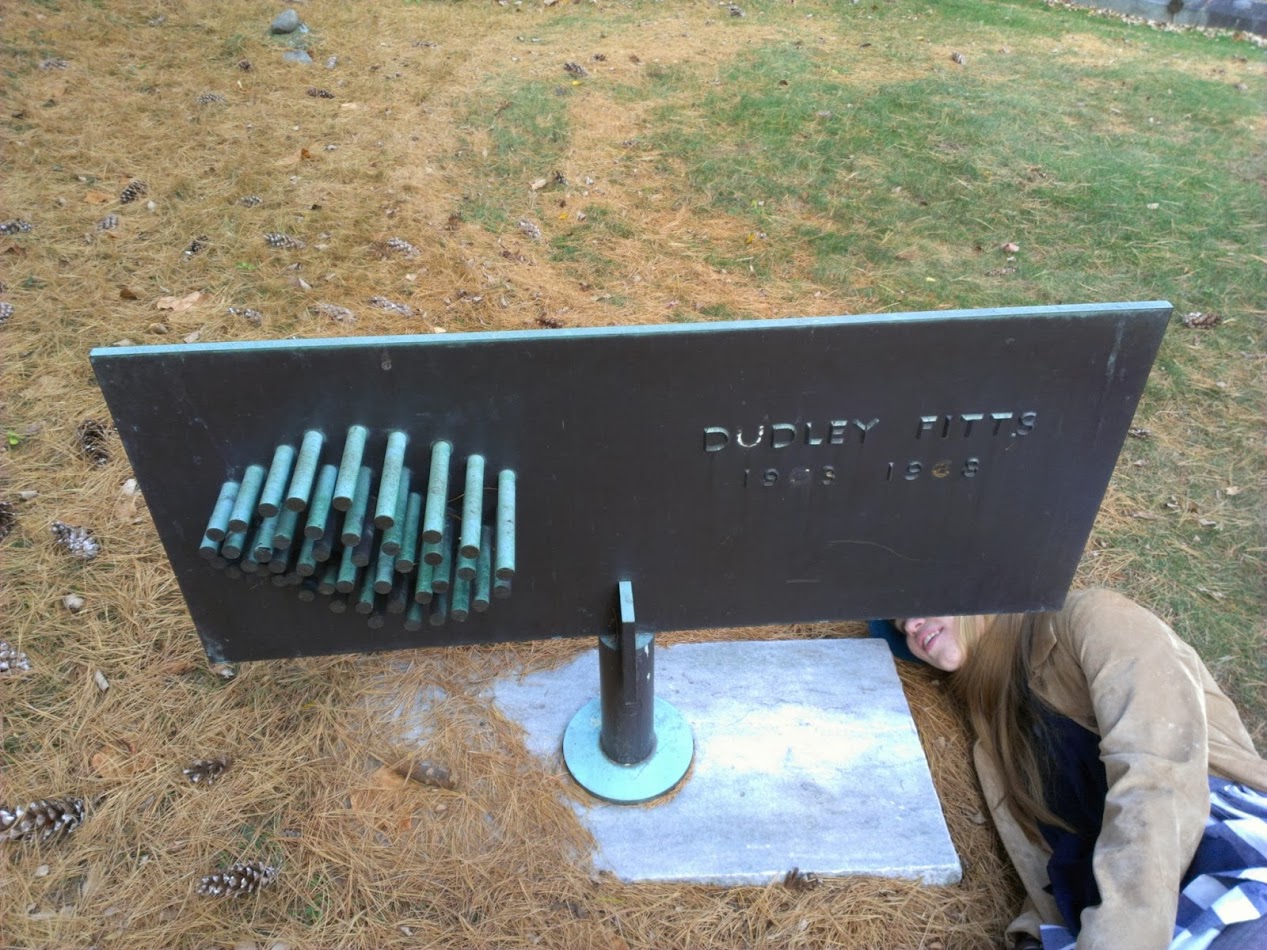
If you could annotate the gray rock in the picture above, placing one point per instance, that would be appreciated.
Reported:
(286, 22)
(296, 56)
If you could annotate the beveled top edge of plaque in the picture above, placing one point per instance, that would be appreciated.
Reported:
(1072, 311)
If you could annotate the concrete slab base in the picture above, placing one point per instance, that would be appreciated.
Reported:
(806, 756)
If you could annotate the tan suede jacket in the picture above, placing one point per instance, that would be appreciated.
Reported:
(1164, 726)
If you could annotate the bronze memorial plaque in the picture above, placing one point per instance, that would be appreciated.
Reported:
(347, 495)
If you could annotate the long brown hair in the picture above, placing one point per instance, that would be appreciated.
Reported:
(994, 685)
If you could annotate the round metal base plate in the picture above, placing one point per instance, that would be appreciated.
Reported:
(628, 784)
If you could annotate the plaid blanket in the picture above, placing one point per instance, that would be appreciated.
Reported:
(1227, 881)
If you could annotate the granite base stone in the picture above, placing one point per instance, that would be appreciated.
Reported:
(805, 756)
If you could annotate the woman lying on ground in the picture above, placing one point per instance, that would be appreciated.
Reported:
(1125, 788)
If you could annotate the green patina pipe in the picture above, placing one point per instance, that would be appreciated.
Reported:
(422, 588)
(233, 572)
(354, 519)
(233, 545)
(415, 616)
(279, 562)
(319, 509)
(339, 604)
(306, 564)
(250, 564)
(376, 621)
(218, 563)
(483, 572)
(248, 495)
(442, 578)
(305, 471)
(218, 525)
(407, 559)
(308, 590)
(398, 599)
(467, 566)
(274, 491)
(325, 586)
(365, 596)
(262, 546)
(504, 567)
(472, 508)
(350, 467)
(437, 493)
(345, 581)
(384, 571)
(439, 610)
(287, 523)
(210, 547)
(501, 588)
(324, 546)
(389, 480)
(460, 600)
(363, 552)
(392, 535)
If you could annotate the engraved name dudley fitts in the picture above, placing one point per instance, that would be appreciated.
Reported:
(965, 429)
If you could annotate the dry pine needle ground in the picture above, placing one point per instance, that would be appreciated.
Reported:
(153, 150)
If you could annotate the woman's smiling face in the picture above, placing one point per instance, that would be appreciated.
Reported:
(935, 640)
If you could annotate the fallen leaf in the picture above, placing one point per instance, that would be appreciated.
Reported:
(1231, 491)
(181, 304)
(1207, 523)
(193, 337)
(539, 184)
(126, 293)
(120, 760)
(1010, 248)
(97, 197)
(424, 773)
(1215, 594)
(99, 678)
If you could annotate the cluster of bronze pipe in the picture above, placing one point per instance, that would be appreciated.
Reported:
(369, 543)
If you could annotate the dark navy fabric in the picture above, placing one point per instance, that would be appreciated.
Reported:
(885, 630)
(1075, 786)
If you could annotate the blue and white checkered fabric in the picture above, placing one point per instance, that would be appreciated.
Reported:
(1227, 881)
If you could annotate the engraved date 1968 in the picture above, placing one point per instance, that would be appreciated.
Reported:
(827, 475)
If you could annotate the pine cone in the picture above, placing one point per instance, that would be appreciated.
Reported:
(8, 518)
(530, 229)
(576, 69)
(12, 661)
(1201, 321)
(401, 246)
(382, 303)
(108, 223)
(47, 818)
(6, 311)
(241, 879)
(206, 771)
(211, 99)
(334, 312)
(75, 541)
(320, 93)
(276, 239)
(16, 226)
(135, 189)
(197, 244)
(93, 436)
(250, 201)
(53, 63)
(248, 314)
